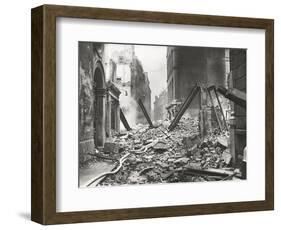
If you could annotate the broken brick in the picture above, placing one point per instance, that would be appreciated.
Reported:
(182, 160)
(190, 141)
(222, 141)
(162, 164)
(226, 156)
(161, 146)
(159, 156)
(111, 147)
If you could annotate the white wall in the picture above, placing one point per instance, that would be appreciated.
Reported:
(15, 113)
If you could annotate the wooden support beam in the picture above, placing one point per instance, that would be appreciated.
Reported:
(124, 120)
(145, 113)
(214, 108)
(218, 100)
(184, 107)
(235, 95)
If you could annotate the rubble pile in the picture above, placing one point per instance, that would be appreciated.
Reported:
(158, 156)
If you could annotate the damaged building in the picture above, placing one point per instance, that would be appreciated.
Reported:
(160, 103)
(110, 78)
(188, 66)
(126, 72)
(98, 100)
(237, 80)
(140, 89)
(198, 130)
(117, 62)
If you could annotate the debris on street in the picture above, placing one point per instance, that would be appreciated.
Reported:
(180, 116)
(154, 155)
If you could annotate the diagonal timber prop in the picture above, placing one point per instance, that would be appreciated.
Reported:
(184, 107)
(145, 113)
(124, 121)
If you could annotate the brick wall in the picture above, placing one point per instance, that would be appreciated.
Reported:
(238, 68)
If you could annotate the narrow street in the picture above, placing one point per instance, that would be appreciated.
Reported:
(161, 114)
(157, 156)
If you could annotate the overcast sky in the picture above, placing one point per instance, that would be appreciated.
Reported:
(153, 59)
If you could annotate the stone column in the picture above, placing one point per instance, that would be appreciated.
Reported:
(117, 116)
(108, 115)
(100, 118)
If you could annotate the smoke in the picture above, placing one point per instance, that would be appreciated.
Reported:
(129, 108)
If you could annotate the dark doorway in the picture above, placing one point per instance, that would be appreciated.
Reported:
(99, 105)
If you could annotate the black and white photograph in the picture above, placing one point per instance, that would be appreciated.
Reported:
(154, 114)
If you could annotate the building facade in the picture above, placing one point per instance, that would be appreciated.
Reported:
(126, 72)
(140, 89)
(188, 66)
(237, 80)
(98, 100)
(160, 103)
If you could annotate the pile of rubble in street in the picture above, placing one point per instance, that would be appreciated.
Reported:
(154, 155)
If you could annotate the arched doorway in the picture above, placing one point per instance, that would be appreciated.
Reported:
(99, 104)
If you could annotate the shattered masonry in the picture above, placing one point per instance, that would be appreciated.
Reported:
(199, 133)
(159, 156)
